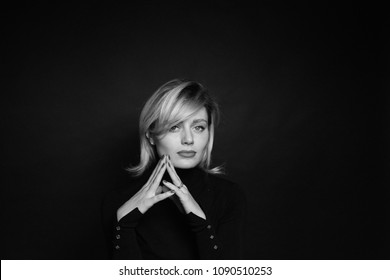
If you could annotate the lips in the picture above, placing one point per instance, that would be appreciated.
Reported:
(187, 154)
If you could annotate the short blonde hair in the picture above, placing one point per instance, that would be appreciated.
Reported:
(172, 103)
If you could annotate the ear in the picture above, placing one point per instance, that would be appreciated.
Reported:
(151, 141)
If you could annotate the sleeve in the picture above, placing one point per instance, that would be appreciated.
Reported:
(230, 226)
(125, 245)
(223, 241)
(208, 245)
(121, 239)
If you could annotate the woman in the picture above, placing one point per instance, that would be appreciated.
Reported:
(177, 208)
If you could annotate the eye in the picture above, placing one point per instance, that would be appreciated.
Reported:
(174, 128)
(199, 128)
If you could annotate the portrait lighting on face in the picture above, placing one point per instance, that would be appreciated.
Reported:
(178, 120)
(185, 142)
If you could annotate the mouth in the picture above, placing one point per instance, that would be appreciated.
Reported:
(187, 154)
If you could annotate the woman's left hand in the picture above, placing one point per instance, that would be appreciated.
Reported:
(187, 201)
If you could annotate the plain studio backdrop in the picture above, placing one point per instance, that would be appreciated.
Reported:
(304, 125)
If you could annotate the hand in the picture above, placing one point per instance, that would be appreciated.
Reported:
(187, 201)
(175, 199)
(148, 195)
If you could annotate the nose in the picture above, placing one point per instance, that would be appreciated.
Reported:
(187, 138)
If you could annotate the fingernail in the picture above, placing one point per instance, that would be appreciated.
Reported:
(165, 182)
(172, 191)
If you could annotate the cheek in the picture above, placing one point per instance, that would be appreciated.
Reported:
(161, 148)
(165, 145)
(203, 141)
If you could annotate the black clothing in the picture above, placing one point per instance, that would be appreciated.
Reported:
(163, 232)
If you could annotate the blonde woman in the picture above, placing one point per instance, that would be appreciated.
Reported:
(178, 207)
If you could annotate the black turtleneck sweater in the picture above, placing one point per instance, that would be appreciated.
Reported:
(163, 232)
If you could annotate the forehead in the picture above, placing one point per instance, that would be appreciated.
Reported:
(198, 116)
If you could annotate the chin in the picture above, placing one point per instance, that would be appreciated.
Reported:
(186, 164)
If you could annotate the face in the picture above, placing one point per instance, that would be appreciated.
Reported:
(186, 142)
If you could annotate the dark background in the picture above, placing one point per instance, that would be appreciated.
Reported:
(305, 131)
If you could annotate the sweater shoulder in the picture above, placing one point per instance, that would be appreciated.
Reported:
(224, 184)
(229, 194)
(221, 179)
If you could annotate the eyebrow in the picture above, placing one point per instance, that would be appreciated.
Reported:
(199, 120)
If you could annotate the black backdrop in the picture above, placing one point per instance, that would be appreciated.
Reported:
(304, 127)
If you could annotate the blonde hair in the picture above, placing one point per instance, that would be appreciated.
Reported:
(172, 103)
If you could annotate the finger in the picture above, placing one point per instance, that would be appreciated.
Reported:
(156, 170)
(172, 173)
(164, 188)
(173, 188)
(156, 182)
(163, 196)
(161, 189)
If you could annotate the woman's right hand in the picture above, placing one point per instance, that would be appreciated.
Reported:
(148, 195)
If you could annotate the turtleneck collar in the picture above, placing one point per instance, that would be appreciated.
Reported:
(193, 178)
(188, 174)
